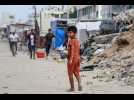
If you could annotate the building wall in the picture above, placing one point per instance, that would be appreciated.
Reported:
(98, 11)
(46, 16)
(45, 22)
(119, 8)
(94, 12)
(105, 12)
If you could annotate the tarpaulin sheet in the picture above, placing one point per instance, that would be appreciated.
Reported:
(59, 37)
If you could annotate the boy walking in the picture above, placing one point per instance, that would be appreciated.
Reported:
(73, 58)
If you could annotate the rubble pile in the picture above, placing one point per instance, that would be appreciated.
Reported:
(88, 48)
(93, 46)
(112, 52)
(124, 20)
(96, 44)
(117, 62)
(127, 15)
(104, 39)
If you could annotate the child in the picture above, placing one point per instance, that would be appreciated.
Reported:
(73, 58)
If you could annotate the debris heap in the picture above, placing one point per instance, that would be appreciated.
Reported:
(117, 62)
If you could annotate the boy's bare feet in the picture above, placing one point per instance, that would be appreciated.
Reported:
(71, 90)
(80, 88)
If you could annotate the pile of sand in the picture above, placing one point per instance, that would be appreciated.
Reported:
(117, 62)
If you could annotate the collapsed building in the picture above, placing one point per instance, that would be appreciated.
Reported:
(113, 58)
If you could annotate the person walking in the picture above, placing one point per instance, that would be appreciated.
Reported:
(32, 43)
(66, 40)
(48, 41)
(9, 39)
(73, 64)
(2, 35)
(13, 39)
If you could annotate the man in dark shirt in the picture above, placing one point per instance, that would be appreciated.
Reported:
(48, 41)
(32, 43)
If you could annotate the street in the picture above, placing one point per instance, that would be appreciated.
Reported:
(21, 75)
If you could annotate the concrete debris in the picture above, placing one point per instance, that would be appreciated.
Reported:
(88, 67)
(113, 53)
(103, 39)
(117, 62)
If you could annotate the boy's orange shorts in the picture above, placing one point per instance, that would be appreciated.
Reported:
(74, 68)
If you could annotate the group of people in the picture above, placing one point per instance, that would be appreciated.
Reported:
(73, 55)
(32, 41)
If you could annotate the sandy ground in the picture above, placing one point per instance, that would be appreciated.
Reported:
(21, 75)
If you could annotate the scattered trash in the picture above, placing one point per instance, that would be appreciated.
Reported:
(89, 83)
(5, 87)
(5, 93)
(88, 68)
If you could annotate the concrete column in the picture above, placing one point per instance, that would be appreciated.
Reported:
(99, 11)
(78, 15)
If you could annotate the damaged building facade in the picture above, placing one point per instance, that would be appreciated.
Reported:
(94, 12)
(115, 62)
(90, 17)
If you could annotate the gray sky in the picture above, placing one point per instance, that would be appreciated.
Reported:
(20, 11)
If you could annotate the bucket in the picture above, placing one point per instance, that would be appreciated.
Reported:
(40, 54)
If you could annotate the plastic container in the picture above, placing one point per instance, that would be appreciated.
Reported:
(40, 54)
